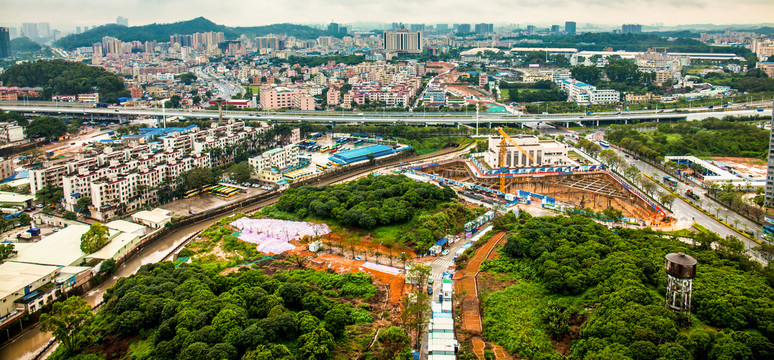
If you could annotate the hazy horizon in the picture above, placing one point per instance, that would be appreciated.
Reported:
(243, 13)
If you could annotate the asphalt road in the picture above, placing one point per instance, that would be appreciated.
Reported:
(687, 214)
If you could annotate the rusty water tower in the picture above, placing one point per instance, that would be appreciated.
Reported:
(680, 269)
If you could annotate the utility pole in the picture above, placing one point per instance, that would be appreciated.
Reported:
(477, 104)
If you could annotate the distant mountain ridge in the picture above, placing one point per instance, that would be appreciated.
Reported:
(161, 32)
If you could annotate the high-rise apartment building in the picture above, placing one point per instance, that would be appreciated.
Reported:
(268, 42)
(417, 27)
(333, 27)
(554, 29)
(569, 27)
(30, 30)
(484, 28)
(403, 41)
(44, 29)
(5, 42)
(769, 200)
(463, 28)
(442, 27)
(122, 21)
(631, 29)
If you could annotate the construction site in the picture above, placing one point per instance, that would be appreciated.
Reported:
(565, 185)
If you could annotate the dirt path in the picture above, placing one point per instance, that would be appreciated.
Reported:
(466, 283)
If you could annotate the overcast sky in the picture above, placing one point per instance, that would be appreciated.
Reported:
(66, 14)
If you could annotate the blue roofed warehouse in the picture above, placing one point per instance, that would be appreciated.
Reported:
(353, 156)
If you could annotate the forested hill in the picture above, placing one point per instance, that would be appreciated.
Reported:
(60, 77)
(161, 32)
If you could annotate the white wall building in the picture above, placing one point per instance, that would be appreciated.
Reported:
(545, 152)
(280, 158)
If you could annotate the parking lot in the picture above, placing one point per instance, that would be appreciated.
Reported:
(202, 202)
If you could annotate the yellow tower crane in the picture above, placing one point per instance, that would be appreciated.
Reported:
(503, 144)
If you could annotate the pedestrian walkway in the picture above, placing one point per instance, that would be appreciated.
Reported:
(443, 263)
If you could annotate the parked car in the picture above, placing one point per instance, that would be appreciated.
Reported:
(56, 229)
(429, 289)
(445, 252)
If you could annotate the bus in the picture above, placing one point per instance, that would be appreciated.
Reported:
(322, 167)
(768, 230)
(358, 141)
(207, 188)
(190, 193)
(604, 144)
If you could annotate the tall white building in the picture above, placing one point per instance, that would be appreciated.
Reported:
(403, 41)
(769, 200)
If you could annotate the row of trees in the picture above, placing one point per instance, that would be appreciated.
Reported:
(191, 312)
(617, 272)
(710, 137)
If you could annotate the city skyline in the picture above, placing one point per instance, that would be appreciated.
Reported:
(142, 12)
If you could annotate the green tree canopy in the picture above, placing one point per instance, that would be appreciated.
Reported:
(95, 238)
(46, 127)
(67, 320)
(240, 172)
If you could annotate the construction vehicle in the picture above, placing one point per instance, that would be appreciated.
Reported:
(689, 193)
(503, 144)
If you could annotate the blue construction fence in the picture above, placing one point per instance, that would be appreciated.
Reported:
(526, 196)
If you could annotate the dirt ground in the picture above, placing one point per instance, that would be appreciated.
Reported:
(751, 166)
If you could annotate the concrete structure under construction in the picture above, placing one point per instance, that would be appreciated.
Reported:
(545, 152)
(595, 189)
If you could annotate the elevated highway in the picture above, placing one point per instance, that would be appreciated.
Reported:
(449, 119)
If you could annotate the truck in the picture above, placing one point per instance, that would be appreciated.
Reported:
(670, 182)
(689, 193)
(101, 105)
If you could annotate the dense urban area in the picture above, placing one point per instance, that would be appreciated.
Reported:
(378, 191)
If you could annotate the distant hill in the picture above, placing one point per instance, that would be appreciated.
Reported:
(24, 44)
(161, 32)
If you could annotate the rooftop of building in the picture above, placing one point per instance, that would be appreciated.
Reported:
(125, 226)
(7, 197)
(118, 240)
(62, 248)
(156, 215)
(351, 154)
(14, 276)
